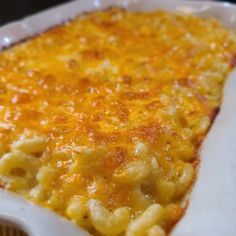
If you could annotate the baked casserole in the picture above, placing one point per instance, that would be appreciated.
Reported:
(102, 118)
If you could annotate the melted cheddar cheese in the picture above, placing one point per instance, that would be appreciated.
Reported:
(120, 103)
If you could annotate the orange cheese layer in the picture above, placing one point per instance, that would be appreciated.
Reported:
(110, 87)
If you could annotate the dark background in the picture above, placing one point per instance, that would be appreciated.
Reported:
(15, 9)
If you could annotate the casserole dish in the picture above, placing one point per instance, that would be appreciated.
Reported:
(31, 26)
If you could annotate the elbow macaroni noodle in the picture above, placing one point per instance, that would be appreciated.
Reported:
(31, 145)
(133, 173)
(18, 170)
(143, 223)
(108, 223)
(156, 231)
(101, 119)
(77, 210)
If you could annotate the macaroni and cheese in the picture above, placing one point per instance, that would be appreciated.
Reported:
(101, 118)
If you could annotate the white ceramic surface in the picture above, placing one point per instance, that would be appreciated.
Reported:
(33, 219)
(212, 207)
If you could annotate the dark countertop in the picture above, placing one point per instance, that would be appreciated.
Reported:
(15, 9)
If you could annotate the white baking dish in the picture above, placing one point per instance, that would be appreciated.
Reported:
(212, 206)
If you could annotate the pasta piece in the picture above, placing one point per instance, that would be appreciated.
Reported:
(141, 200)
(202, 125)
(156, 230)
(19, 168)
(165, 191)
(86, 155)
(186, 152)
(57, 201)
(172, 213)
(39, 193)
(45, 175)
(134, 173)
(30, 145)
(105, 222)
(149, 218)
(83, 150)
(77, 210)
(140, 149)
(45, 179)
(185, 179)
(1, 150)
(155, 169)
